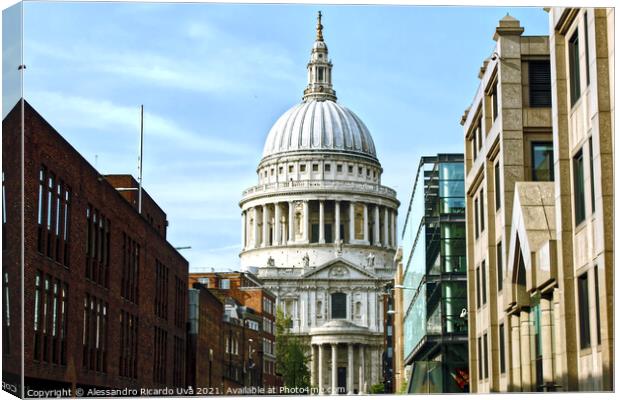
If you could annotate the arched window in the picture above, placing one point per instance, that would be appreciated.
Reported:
(339, 306)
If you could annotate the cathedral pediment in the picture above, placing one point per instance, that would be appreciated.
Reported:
(339, 269)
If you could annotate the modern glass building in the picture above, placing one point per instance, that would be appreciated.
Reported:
(434, 279)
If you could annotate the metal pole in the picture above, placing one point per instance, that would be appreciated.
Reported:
(140, 159)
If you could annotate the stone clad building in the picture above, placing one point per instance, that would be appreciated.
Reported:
(539, 193)
(321, 229)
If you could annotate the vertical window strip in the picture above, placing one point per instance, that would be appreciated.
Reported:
(597, 305)
(483, 272)
(478, 288)
(502, 350)
(584, 311)
(498, 193)
(573, 60)
(578, 188)
(481, 197)
(486, 356)
(592, 180)
(500, 267)
(587, 55)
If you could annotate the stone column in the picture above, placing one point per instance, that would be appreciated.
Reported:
(393, 229)
(516, 352)
(365, 222)
(306, 213)
(362, 367)
(546, 334)
(313, 365)
(243, 231)
(377, 232)
(334, 368)
(321, 362)
(321, 221)
(255, 227)
(526, 354)
(276, 225)
(395, 226)
(386, 227)
(337, 220)
(351, 222)
(265, 225)
(350, 374)
(291, 222)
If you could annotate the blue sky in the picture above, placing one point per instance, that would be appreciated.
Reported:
(213, 78)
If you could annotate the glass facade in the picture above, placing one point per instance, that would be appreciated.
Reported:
(434, 279)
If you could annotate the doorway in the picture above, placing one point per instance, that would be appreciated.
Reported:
(342, 380)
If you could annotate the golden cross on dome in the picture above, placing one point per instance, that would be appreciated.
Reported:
(319, 28)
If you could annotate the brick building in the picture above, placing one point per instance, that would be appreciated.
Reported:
(105, 292)
(205, 343)
(248, 291)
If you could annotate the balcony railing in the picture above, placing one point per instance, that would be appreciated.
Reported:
(319, 185)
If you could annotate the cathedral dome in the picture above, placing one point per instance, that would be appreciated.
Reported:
(322, 125)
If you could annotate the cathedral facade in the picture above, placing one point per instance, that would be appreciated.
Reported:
(320, 229)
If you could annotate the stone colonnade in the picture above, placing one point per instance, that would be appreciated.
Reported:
(290, 223)
(361, 366)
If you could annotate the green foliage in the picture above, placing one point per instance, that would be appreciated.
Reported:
(291, 354)
(377, 388)
(403, 387)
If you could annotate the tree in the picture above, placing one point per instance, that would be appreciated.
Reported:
(291, 354)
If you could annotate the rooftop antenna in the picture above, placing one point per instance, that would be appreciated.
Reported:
(140, 159)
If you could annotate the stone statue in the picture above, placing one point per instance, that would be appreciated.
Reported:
(338, 246)
(306, 261)
(371, 260)
(271, 262)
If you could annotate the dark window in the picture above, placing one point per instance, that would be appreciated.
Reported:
(98, 246)
(598, 306)
(41, 208)
(476, 217)
(360, 170)
(130, 273)
(542, 161)
(502, 350)
(128, 360)
(486, 356)
(474, 146)
(302, 168)
(350, 169)
(500, 267)
(483, 273)
(339, 168)
(494, 101)
(540, 83)
(592, 198)
(584, 311)
(320, 74)
(498, 188)
(480, 357)
(481, 198)
(478, 288)
(161, 290)
(573, 65)
(315, 167)
(179, 309)
(314, 234)
(328, 167)
(585, 34)
(578, 188)
(339, 306)
(94, 334)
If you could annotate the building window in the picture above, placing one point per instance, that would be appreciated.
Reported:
(481, 198)
(302, 168)
(486, 356)
(500, 267)
(584, 311)
(179, 360)
(483, 273)
(179, 299)
(494, 102)
(161, 290)
(320, 69)
(280, 170)
(338, 167)
(540, 83)
(95, 335)
(160, 353)
(315, 167)
(573, 66)
(339, 306)
(128, 360)
(592, 198)
(498, 188)
(587, 55)
(130, 273)
(476, 217)
(480, 357)
(478, 288)
(328, 167)
(98, 246)
(360, 170)
(597, 305)
(502, 350)
(579, 188)
(41, 208)
(542, 161)
(224, 283)
(290, 169)
(474, 146)
(350, 169)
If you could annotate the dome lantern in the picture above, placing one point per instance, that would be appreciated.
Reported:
(319, 70)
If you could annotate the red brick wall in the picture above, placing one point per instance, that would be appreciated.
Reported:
(43, 145)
